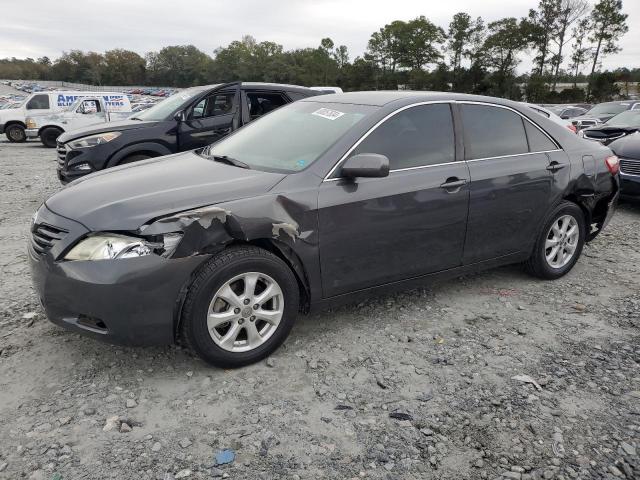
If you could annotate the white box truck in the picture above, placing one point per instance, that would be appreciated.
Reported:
(13, 120)
(83, 112)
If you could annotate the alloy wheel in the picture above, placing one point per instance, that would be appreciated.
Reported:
(245, 312)
(562, 241)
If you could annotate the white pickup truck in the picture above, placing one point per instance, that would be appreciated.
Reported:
(84, 111)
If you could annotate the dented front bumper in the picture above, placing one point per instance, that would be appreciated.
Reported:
(130, 301)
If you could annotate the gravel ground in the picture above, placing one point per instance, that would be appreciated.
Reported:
(417, 385)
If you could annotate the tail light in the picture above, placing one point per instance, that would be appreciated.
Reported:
(613, 164)
(572, 128)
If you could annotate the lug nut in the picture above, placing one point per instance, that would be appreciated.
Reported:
(246, 301)
(252, 318)
(241, 321)
(256, 306)
(236, 310)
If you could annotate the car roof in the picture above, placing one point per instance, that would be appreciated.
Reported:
(382, 98)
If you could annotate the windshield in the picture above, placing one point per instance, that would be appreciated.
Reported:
(630, 118)
(163, 109)
(608, 108)
(291, 138)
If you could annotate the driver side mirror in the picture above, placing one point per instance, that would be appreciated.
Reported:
(180, 116)
(371, 165)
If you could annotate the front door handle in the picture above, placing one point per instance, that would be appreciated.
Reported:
(453, 184)
(555, 166)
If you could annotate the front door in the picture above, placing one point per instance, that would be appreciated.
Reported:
(379, 230)
(209, 120)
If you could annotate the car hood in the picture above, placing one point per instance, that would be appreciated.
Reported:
(127, 197)
(10, 113)
(627, 147)
(608, 131)
(104, 127)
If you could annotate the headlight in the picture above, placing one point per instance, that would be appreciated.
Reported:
(31, 123)
(107, 246)
(94, 140)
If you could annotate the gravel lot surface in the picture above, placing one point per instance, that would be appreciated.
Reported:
(417, 385)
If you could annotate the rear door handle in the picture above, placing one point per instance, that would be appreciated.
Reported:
(555, 166)
(453, 183)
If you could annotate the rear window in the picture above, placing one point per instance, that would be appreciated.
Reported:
(492, 132)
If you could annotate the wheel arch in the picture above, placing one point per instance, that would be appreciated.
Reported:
(279, 249)
(147, 148)
(57, 127)
(15, 122)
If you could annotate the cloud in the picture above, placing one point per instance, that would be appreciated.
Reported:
(49, 28)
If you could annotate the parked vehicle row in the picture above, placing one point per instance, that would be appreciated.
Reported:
(317, 202)
(193, 118)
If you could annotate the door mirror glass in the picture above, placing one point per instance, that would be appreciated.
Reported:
(366, 165)
(179, 116)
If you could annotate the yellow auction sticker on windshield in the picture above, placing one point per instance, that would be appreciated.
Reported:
(328, 113)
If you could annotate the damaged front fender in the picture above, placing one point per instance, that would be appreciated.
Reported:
(287, 225)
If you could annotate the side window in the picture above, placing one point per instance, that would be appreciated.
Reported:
(39, 102)
(492, 132)
(214, 105)
(260, 103)
(415, 137)
(538, 141)
(89, 106)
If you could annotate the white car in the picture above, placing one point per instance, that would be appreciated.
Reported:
(551, 116)
(13, 120)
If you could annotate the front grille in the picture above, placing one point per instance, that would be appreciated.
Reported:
(62, 155)
(44, 236)
(629, 166)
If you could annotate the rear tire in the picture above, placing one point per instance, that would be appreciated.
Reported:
(15, 133)
(49, 135)
(559, 244)
(263, 305)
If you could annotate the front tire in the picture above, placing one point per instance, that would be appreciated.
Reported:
(49, 135)
(240, 307)
(15, 133)
(559, 244)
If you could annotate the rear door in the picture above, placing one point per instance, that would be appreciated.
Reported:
(512, 164)
(379, 230)
(210, 119)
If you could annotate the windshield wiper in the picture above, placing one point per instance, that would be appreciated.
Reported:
(230, 161)
(224, 159)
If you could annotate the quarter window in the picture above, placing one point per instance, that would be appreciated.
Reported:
(418, 136)
(492, 132)
(538, 141)
(39, 102)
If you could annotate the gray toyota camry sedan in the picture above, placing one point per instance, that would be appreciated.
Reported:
(320, 202)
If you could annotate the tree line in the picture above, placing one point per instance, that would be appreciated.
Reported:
(567, 38)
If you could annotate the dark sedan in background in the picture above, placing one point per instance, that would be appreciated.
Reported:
(623, 124)
(321, 202)
(189, 119)
(628, 151)
(604, 111)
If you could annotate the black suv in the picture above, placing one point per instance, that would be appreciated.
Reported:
(192, 118)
